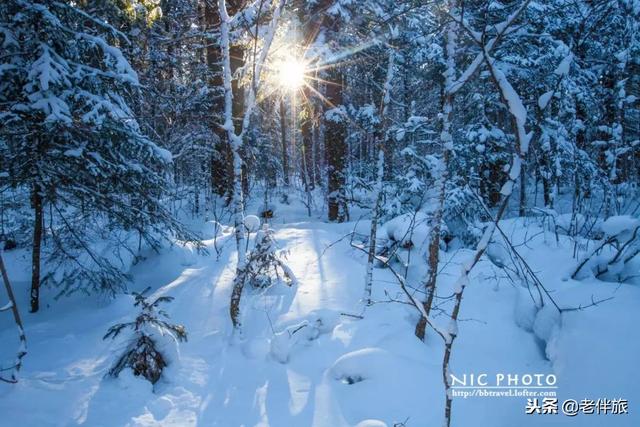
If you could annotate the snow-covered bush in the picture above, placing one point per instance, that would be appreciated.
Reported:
(572, 224)
(617, 256)
(145, 353)
(461, 213)
(317, 322)
(264, 262)
(405, 233)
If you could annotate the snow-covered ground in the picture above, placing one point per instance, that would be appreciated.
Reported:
(336, 369)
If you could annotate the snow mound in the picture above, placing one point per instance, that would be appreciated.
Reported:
(498, 254)
(252, 223)
(134, 385)
(317, 322)
(408, 228)
(281, 345)
(211, 230)
(547, 322)
(362, 364)
(569, 223)
(618, 225)
(324, 320)
(257, 348)
(371, 423)
(525, 310)
(188, 255)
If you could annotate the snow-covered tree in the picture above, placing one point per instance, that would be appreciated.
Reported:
(71, 141)
(146, 351)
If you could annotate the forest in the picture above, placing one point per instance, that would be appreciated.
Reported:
(323, 213)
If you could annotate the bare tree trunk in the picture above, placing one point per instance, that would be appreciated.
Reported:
(238, 222)
(235, 142)
(375, 217)
(38, 210)
(219, 159)
(306, 132)
(518, 117)
(306, 178)
(22, 351)
(235, 130)
(335, 146)
(546, 180)
(380, 170)
(312, 20)
(236, 53)
(283, 136)
(222, 160)
(447, 145)
(522, 208)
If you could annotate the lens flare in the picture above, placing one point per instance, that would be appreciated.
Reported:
(291, 73)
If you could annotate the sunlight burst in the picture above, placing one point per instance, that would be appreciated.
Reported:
(291, 73)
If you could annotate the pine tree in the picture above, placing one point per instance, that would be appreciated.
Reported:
(144, 354)
(71, 139)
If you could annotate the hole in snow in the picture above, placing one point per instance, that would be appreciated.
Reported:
(351, 379)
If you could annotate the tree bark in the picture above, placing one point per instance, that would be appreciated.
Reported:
(335, 146)
(523, 192)
(283, 136)
(235, 137)
(306, 132)
(380, 169)
(446, 140)
(222, 159)
(38, 209)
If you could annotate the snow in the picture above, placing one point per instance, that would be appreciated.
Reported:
(617, 225)
(74, 152)
(569, 223)
(252, 223)
(305, 363)
(336, 114)
(516, 166)
(371, 423)
(507, 188)
(113, 56)
(546, 323)
(409, 227)
(565, 64)
(544, 99)
(525, 309)
(361, 365)
(211, 229)
(48, 70)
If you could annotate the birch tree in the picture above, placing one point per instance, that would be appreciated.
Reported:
(236, 141)
(379, 185)
(518, 114)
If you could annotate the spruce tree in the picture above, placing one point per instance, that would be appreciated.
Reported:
(71, 141)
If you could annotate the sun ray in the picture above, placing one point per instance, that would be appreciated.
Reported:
(291, 73)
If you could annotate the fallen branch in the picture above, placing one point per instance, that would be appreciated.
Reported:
(22, 350)
(401, 281)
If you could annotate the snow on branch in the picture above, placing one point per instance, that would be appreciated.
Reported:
(501, 30)
(514, 102)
